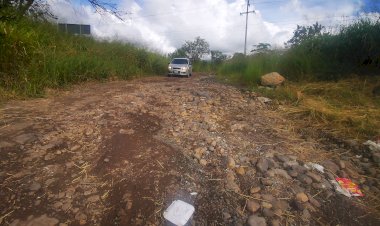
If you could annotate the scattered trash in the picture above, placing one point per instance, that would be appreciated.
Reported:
(194, 193)
(179, 212)
(264, 100)
(315, 166)
(346, 187)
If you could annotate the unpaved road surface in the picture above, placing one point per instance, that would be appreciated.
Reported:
(118, 153)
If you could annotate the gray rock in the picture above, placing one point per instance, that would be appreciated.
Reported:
(342, 173)
(56, 143)
(282, 158)
(278, 172)
(304, 179)
(57, 205)
(43, 220)
(302, 197)
(342, 164)
(5, 144)
(23, 138)
(272, 163)
(254, 190)
(376, 157)
(267, 181)
(317, 185)
(280, 204)
(93, 198)
(203, 162)
(330, 165)
(268, 197)
(290, 164)
(230, 163)
(266, 205)
(35, 186)
(313, 201)
(255, 220)
(305, 215)
(315, 177)
(292, 173)
(81, 217)
(275, 222)
(252, 206)
(262, 165)
(299, 169)
(268, 212)
(66, 206)
(230, 183)
(226, 216)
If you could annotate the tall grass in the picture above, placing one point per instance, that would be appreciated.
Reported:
(331, 79)
(354, 49)
(35, 56)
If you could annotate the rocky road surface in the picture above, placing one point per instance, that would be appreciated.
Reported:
(118, 153)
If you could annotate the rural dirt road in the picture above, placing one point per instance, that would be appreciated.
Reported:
(118, 153)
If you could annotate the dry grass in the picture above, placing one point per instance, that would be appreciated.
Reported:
(345, 108)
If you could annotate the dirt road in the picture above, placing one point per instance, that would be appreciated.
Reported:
(118, 153)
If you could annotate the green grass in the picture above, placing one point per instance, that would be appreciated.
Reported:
(35, 56)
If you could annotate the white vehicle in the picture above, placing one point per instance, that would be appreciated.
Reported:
(181, 67)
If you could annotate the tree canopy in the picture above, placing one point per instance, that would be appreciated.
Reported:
(194, 50)
(261, 48)
(217, 56)
(303, 33)
(13, 9)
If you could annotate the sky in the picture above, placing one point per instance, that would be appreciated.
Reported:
(165, 25)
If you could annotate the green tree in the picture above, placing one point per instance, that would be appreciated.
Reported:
(303, 33)
(196, 49)
(179, 53)
(14, 9)
(261, 48)
(217, 56)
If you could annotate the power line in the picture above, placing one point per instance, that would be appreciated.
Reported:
(246, 25)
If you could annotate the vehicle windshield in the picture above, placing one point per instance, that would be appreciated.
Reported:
(179, 61)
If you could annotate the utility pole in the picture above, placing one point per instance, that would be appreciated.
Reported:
(246, 25)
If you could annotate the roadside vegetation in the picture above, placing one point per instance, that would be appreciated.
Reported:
(333, 78)
(35, 56)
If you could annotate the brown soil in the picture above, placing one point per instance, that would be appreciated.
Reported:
(119, 153)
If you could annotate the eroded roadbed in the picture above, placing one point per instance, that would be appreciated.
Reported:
(119, 153)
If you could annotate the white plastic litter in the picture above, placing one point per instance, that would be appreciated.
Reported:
(315, 166)
(339, 189)
(194, 193)
(179, 212)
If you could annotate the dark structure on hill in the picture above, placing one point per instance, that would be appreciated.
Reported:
(76, 29)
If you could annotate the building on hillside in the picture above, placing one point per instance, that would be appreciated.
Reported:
(75, 29)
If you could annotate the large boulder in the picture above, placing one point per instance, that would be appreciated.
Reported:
(272, 79)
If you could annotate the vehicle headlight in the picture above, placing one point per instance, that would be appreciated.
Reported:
(170, 67)
(184, 68)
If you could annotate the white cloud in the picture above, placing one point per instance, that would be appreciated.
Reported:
(164, 25)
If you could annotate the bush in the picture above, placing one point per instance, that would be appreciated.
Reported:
(36, 56)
